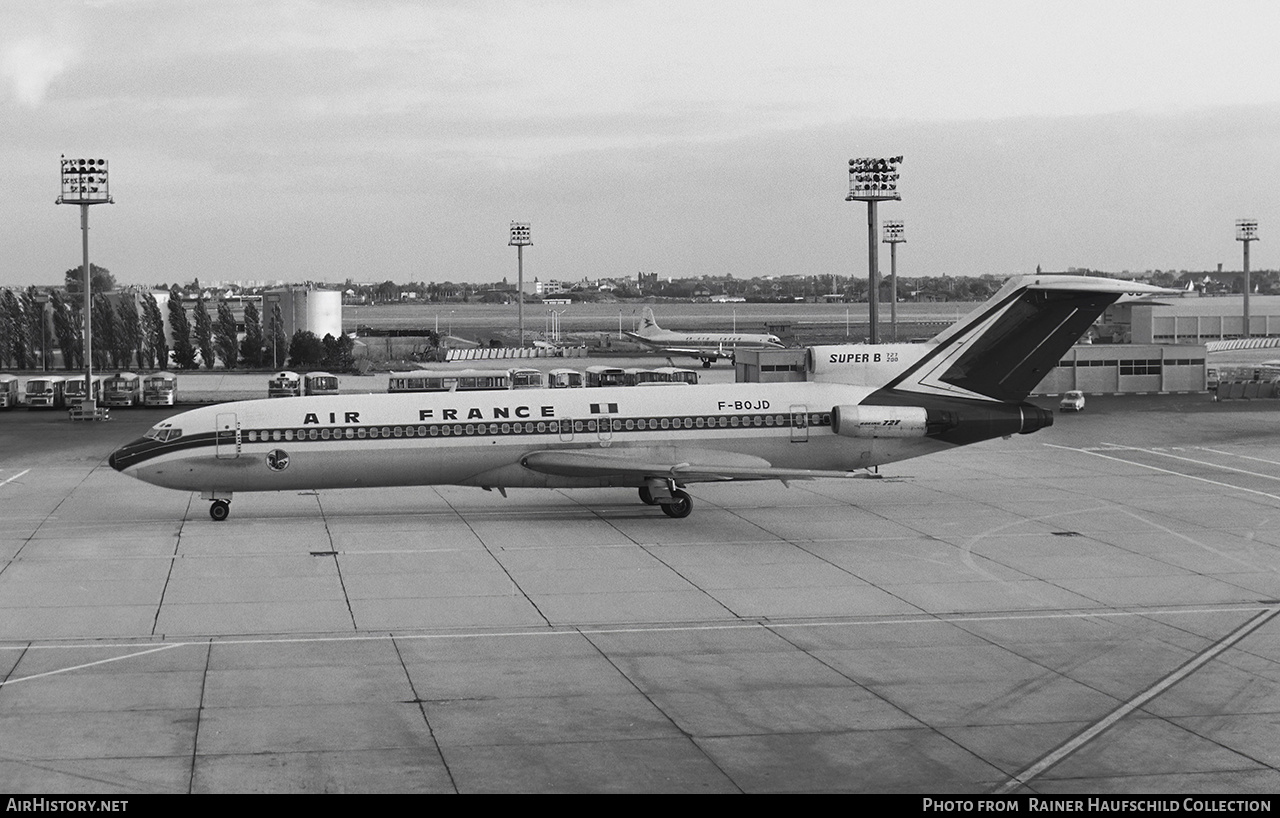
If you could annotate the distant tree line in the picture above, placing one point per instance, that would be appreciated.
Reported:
(129, 333)
(777, 288)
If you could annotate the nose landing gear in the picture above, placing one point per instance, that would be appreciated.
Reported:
(221, 507)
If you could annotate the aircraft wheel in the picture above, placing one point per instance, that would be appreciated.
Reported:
(646, 496)
(680, 506)
(706, 364)
(220, 510)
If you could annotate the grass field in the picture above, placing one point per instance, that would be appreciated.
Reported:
(802, 322)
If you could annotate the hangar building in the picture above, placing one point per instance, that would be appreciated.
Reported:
(1091, 368)
(1194, 320)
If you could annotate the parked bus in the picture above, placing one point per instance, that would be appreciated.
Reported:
(605, 376)
(75, 392)
(122, 389)
(46, 392)
(676, 374)
(472, 380)
(525, 378)
(284, 385)
(159, 388)
(319, 383)
(641, 377)
(564, 379)
(8, 391)
(461, 380)
(420, 380)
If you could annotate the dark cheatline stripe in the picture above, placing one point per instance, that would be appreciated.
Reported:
(145, 449)
(493, 428)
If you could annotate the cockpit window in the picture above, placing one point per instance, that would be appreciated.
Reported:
(163, 434)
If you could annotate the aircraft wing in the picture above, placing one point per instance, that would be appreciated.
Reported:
(693, 352)
(713, 353)
(683, 464)
(696, 352)
(635, 336)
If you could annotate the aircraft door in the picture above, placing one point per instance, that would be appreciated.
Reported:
(566, 430)
(226, 435)
(604, 429)
(799, 423)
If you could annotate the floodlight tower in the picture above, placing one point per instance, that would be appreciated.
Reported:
(521, 238)
(894, 234)
(84, 182)
(1246, 231)
(873, 180)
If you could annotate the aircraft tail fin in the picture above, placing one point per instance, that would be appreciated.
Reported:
(1004, 348)
(648, 324)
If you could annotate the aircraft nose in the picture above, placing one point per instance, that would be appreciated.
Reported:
(130, 454)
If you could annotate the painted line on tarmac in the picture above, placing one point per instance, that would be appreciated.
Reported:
(580, 630)
(1264, 613)
(1199, 462)
(15, 477)
(1191, 666)
(1240, 456)
(1218, 483)
(94, 664)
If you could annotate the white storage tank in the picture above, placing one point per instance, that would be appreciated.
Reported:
(319, 311)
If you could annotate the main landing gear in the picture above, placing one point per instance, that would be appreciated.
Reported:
(675, 502)
(680, 506)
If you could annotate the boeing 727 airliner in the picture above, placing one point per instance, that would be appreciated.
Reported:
(709, 346)
(861, 406)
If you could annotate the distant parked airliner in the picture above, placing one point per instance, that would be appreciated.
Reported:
(709, 346)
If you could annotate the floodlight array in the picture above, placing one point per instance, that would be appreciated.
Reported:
(873, 178)
(1246, 229)
(894, 231)
(84, 180)
(521, 235)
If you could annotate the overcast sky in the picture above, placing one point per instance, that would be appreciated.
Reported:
(296, 139)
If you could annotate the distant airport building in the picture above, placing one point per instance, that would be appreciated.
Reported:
(770, 365)
(1128, 369)
(1094, 369)
(1198, 320)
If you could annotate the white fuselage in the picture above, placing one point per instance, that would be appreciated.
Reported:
(711, 342)
(480, 438)
(862, 406)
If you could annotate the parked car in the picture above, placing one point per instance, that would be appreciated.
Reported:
(1072, 401)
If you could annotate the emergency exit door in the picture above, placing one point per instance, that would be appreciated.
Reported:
(799, 423)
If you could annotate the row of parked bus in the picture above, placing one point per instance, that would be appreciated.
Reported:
(123, 389)
(469, 380)
(127, 389)
(290, 384)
